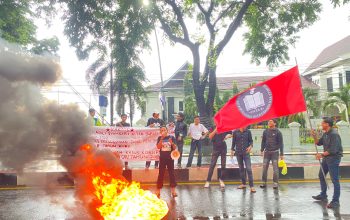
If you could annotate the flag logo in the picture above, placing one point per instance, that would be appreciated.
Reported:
(255, 102)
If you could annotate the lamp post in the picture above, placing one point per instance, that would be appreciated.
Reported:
(161, 79)
(163, 98)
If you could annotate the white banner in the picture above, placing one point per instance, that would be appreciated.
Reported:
(133, 144)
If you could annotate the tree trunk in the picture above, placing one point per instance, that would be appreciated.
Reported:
(199, 89)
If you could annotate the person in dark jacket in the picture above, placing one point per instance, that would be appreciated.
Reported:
(180, 134)
(331, 157)
(154, 122)
(242, 144)
(166, 144)
(271, 148)
(219, 150)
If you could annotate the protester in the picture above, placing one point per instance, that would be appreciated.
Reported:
(331, 157)
(271, 148)
(166, 144)
(123, 123)
(180, 134)
(219, 150)
(242, 144)
(196, 132)
(154, 122)
(91, 119)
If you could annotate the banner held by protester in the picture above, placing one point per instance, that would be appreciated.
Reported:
(132, 144)
(277, 97)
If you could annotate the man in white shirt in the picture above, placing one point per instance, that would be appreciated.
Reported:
(196, 132)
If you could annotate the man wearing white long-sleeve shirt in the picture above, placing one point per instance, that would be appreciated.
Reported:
(197, 132)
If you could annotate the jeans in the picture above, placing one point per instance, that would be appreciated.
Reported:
(195, 144)
(180, 147)
(214, 158)
(330, 165)
(270, 156)
(166, 162)
(244, 159)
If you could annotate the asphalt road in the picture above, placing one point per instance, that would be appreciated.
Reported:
(291, 201)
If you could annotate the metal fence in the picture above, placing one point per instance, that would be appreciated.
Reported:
(306, 137)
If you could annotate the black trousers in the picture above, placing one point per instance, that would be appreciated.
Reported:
(165, 162)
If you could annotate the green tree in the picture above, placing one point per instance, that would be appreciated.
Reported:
(189, 101)
(17, 25)
(118, 31)
(272, 27)
(341, 97)
(235, 89)
(49, 46)
(310, 96)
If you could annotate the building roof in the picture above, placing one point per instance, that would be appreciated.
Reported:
(224, 83)
(331, 53)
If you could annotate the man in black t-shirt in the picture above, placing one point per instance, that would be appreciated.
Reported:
(123, 123)
(219, 149)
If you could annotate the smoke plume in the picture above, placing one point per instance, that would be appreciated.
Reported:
(29, 123)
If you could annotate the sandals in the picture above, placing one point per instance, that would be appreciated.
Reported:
(242, 186)
(252, 190)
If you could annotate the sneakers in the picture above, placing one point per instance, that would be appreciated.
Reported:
(320, 198)
(333, 205)
(207, 184)
(275, 186)
(222, 184)
(252, 190)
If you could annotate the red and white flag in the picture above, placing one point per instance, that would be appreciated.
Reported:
(276, 97)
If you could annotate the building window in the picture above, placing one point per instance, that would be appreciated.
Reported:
(330, 84)
(347, 75)
(181, 106)
(340, 80)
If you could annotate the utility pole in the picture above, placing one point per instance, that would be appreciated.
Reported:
(164, 107)
(111, 85)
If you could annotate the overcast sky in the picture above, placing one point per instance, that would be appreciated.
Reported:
(332, 26)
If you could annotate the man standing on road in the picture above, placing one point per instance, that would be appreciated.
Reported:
(242, 144)
(219, 150)
(331, 157)
(197, 132)
(180, 134)
(271, 147)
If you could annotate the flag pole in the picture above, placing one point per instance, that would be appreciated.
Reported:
(319, 160)
(308, 118)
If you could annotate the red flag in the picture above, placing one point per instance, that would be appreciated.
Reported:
(276, 97)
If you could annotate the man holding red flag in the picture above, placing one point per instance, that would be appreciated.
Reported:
(279, 96)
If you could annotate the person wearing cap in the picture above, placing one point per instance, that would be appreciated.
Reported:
(271, 148)
(123, 123)
(91, 119)
(331, 157)
(180, 134)
(154, 122)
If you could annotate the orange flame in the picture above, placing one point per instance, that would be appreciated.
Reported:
(115, 198)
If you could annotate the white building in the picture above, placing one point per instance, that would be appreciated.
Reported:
(331, 70)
